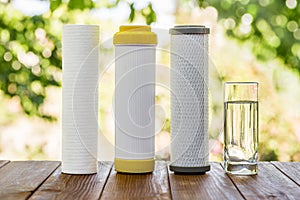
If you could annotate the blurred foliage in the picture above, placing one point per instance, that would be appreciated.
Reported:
(29, 58)
(272, 30)
(271, 27)
(30, 51)
(267, 154)
(80, 4)
(149, 14)
(54, 4)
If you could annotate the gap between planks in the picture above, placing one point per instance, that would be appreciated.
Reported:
(138, 186)
(44, 181)
(222, 166)
(20, 178)
(3, 163)
(289, 169)
(268, 183)
(212, 185)
(66, 186)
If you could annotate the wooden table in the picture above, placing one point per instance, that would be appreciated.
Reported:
(44, 180)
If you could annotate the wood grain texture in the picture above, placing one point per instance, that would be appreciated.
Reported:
(270, 183)
(66, 186)
(44, 180)
(139, 186)
(290, 169)
(213, 185)
(19, 179)
(3, 162)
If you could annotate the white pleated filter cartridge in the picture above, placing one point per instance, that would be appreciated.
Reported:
(80, 54)
(189, 99)
(134, 99)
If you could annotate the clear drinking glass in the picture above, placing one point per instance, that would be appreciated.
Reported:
(240, 127)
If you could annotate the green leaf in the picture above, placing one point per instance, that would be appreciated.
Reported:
(54, 4)
(80, 4)
(132, 12)
(112, 5)
(149, 14)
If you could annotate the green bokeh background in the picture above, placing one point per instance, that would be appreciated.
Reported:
(262, 43)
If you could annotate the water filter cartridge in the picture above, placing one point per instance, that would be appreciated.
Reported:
(80, 54)
(134, 99)
(189, 99)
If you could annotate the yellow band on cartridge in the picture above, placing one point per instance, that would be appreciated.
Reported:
(135, 35)
(134, 166)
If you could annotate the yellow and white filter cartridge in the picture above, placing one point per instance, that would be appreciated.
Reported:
(135, 48)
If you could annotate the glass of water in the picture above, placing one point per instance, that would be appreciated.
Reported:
(240, 127)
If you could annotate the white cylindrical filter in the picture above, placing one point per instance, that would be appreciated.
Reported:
(189, 99)
(134, 99)
(80, 54)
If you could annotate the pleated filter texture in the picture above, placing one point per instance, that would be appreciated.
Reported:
(189, 100)
(80, 54)
(134, 101)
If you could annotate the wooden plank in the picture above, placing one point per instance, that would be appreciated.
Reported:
(19, 179)
(213, 185)
(290, 169)
(66, 186)
(270, 183)
(3, 162)
(139, 186)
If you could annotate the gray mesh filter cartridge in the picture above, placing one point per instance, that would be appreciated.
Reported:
(189, 99)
